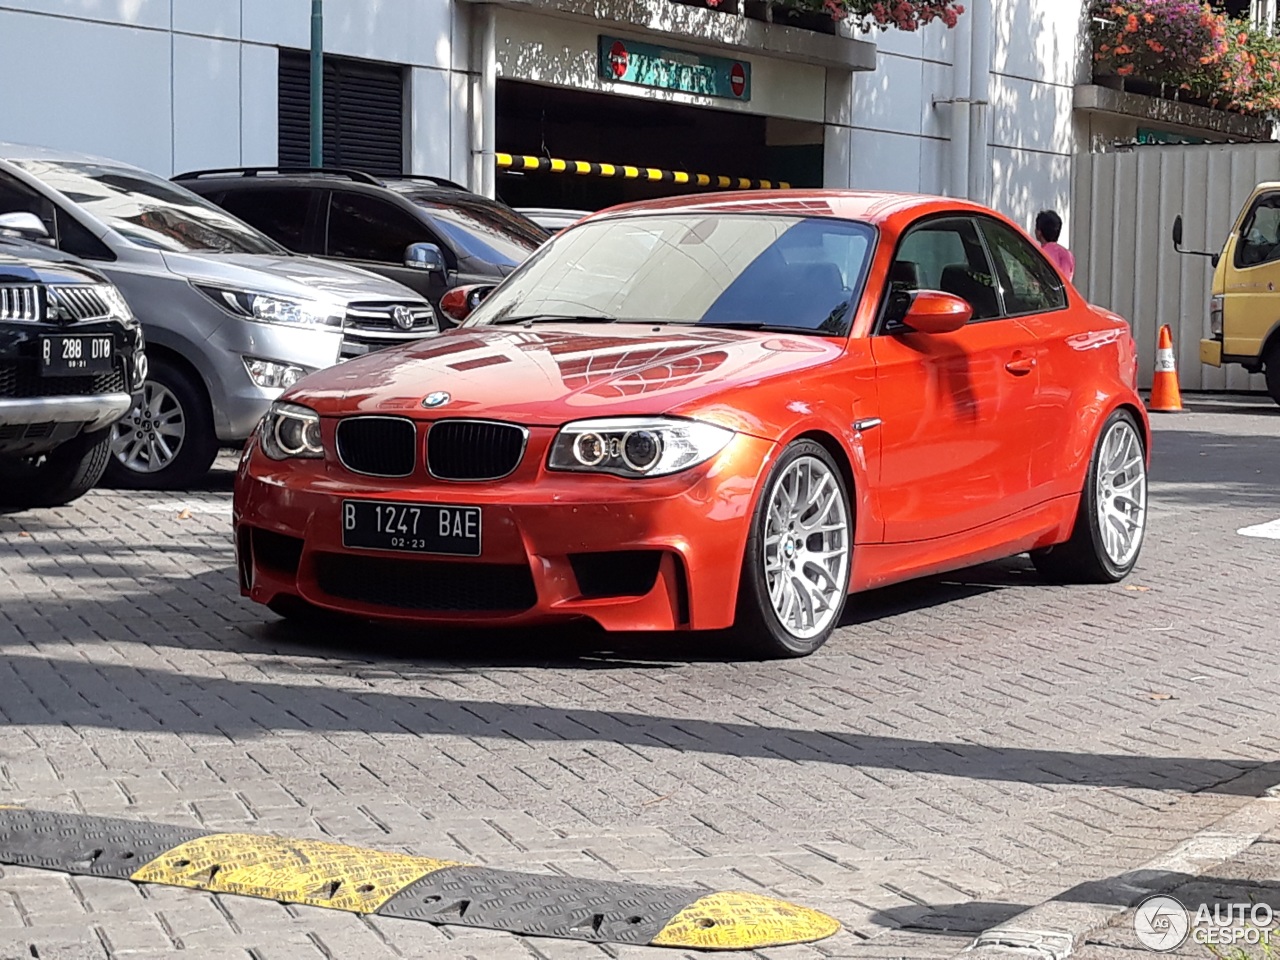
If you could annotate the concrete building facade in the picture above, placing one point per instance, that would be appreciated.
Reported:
(992, 109)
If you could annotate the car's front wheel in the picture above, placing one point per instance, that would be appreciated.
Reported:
(167, 441)
(1112, 518)
(795, 575)
(57, 478)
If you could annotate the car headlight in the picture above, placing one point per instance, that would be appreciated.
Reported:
(115, 301)
(1215, 316)
(291, 431)
(269, 308)
(272, 374)
(636, 446)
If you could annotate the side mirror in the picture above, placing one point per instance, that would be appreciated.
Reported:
(459, 302)
(932, 311)
(24, 224)
(1177, 231)
(424, 256)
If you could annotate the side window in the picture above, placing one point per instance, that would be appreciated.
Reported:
(17, 197)
(362, 227)
(1029, 283)
(1260, 233)
(281, 214)
(75, 239)
(71, 237)
(944, 255)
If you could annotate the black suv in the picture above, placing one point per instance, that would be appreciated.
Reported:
(71, 365)
(429, 234)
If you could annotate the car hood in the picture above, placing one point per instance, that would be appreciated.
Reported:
(22, 262)
(551, 374)
(288, 276)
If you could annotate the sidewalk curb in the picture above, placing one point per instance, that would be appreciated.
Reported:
(1054, 929)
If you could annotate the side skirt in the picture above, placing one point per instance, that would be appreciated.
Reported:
(880, 564)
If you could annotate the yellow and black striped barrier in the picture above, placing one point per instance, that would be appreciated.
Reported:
(358, 880)
(584, 168)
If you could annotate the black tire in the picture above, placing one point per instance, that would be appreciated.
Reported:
(757, 625)
(58, 478)
(1271, 368)
(1084, 558)
(198, 446)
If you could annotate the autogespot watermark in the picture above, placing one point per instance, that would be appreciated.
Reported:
(1162, 924)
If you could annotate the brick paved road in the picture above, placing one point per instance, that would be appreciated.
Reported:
(963, 747)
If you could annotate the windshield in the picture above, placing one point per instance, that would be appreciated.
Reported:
(150, 211)
(748, 270)
(486, 232)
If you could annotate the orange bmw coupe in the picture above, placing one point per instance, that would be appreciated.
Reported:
(711, 412)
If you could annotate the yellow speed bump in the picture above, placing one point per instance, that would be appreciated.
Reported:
(396, 885)
(744, 921)
(313, 872)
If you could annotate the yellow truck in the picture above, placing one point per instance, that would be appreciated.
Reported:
(1244, 311)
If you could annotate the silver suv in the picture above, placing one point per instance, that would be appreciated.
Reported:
(231, 317)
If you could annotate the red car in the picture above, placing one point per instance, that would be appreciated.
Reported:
(711, 412)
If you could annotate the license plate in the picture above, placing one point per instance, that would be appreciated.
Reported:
(80, 356)
(411, 527)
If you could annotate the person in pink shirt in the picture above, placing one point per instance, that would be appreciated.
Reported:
(1048, 230)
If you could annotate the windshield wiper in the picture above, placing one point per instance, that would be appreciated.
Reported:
(766, 328)
(554, 318)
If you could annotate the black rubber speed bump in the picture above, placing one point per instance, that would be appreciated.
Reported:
(389, 884)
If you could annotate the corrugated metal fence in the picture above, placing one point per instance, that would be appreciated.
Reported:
(1122, 222)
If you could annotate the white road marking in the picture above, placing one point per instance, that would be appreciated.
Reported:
(1268, 531)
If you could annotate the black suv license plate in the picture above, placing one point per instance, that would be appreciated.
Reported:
(80, 356)
(411, 527)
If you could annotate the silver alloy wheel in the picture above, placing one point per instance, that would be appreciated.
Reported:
(150, 437)
(806, 548)
(1122, 493)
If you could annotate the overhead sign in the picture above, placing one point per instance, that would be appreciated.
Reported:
(662, 68)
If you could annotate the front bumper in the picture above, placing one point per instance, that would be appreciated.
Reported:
(93, 412)
(1211, 352)
(662, 554)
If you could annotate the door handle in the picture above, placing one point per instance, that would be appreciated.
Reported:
(1020, 368)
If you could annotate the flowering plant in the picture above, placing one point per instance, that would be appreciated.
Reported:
(1164, 41)
(1247, 77)
(907, 15)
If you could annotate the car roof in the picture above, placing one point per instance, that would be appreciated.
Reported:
(874, 207)
(26, 151)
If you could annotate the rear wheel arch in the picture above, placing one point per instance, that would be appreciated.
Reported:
(1144, 426)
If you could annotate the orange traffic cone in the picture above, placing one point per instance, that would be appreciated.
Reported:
(1165, 395)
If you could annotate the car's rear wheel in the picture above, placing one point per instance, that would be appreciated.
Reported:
(57, 478)
(1271, 369)
(1112, 519)
(795, 575)
(167, 441)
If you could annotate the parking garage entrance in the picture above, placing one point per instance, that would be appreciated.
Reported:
(598, 136)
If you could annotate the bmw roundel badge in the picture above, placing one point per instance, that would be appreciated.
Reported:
(437, 399)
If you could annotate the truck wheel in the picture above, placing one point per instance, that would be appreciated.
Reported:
(1271, 365)
(57, 478)
(166, 442)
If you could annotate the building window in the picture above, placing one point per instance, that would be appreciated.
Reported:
(363, 113)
